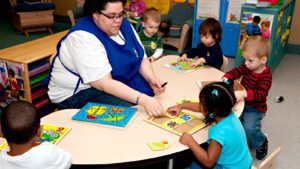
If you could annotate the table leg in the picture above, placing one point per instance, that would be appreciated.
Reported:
(171, 163)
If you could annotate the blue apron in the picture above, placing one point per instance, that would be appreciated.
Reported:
(125, 60)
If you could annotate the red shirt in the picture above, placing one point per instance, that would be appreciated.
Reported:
(257, 85)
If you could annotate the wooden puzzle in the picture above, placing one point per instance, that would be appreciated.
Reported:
(116, 116)
(184, 122)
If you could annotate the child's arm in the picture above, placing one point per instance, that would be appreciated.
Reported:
(192, 106)
(261, 89)
(207, 158)
(159, 50)
(235, 73)
(215, 57)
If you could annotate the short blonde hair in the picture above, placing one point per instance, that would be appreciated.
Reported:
(259, 45)
(265, 23)
(152, 14)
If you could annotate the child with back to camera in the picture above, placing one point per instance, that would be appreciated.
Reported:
(150, 39)
(20, 125)
(209, 51)
(227, 139)
(257, 80)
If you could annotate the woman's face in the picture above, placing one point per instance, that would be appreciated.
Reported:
(110, 19)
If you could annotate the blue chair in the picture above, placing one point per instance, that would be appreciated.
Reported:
(180, 19)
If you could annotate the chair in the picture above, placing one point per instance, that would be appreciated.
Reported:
(269, 162)
(224, 65)
(180, 19)
(75, 14)
(32, 15)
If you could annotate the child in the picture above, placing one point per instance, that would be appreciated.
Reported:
(150, 38)
(20, 125)
(257, 80)
(265, 31)
(209, 51)
(227, 139)
(137, 7)
(253, 29)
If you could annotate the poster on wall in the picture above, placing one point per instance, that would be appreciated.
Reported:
(11, 82)
(234, 11)
(250, 29)
(208, 9)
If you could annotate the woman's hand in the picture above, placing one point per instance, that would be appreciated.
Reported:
(152, 106)
(183, 58)
(155, 84)
(186, 139)
(174, 110)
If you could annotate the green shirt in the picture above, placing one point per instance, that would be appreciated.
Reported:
(151, 43)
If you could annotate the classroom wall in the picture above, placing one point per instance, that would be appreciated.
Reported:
(295, 36)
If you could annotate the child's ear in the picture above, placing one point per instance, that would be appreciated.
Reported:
(1, 134)
(264, 59)
(39, 133)
(143, 24)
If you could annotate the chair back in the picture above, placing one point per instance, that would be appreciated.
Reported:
(224, 65)
(269, 162)
(75, 14)
(180, 13)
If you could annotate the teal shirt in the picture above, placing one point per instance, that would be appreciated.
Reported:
(229, 132)
(150, 43)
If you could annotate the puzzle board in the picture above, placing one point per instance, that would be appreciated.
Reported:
(104, 114)
(178, 124)
(53, 134)
(182, 67)
(50, 133)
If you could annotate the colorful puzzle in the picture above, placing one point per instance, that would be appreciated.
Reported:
(117, 116)
(53, 134)
(184, 122)
(50, 133)
(182, 67)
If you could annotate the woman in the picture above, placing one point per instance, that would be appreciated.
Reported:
(101, 60)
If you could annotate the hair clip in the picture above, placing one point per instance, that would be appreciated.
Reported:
(215, 92)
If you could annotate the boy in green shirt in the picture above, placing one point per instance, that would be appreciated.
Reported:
(150, 38)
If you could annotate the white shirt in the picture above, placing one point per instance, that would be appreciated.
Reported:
(43, 156)
(84, 54)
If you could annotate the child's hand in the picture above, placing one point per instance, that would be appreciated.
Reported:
(240, 95)
(196, 63)
(151, 59)
(183, 58)
(174, 110)
(186, 139)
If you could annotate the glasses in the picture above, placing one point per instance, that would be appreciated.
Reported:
(114, 16)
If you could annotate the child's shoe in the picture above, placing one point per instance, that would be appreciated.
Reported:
(262, 151)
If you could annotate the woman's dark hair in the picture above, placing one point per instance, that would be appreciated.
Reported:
(213, 27)
(20, 122)
(217, 98)
(94, 6)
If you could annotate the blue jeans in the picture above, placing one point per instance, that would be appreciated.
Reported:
(251, 120)
(196, 165)
(80, 99)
